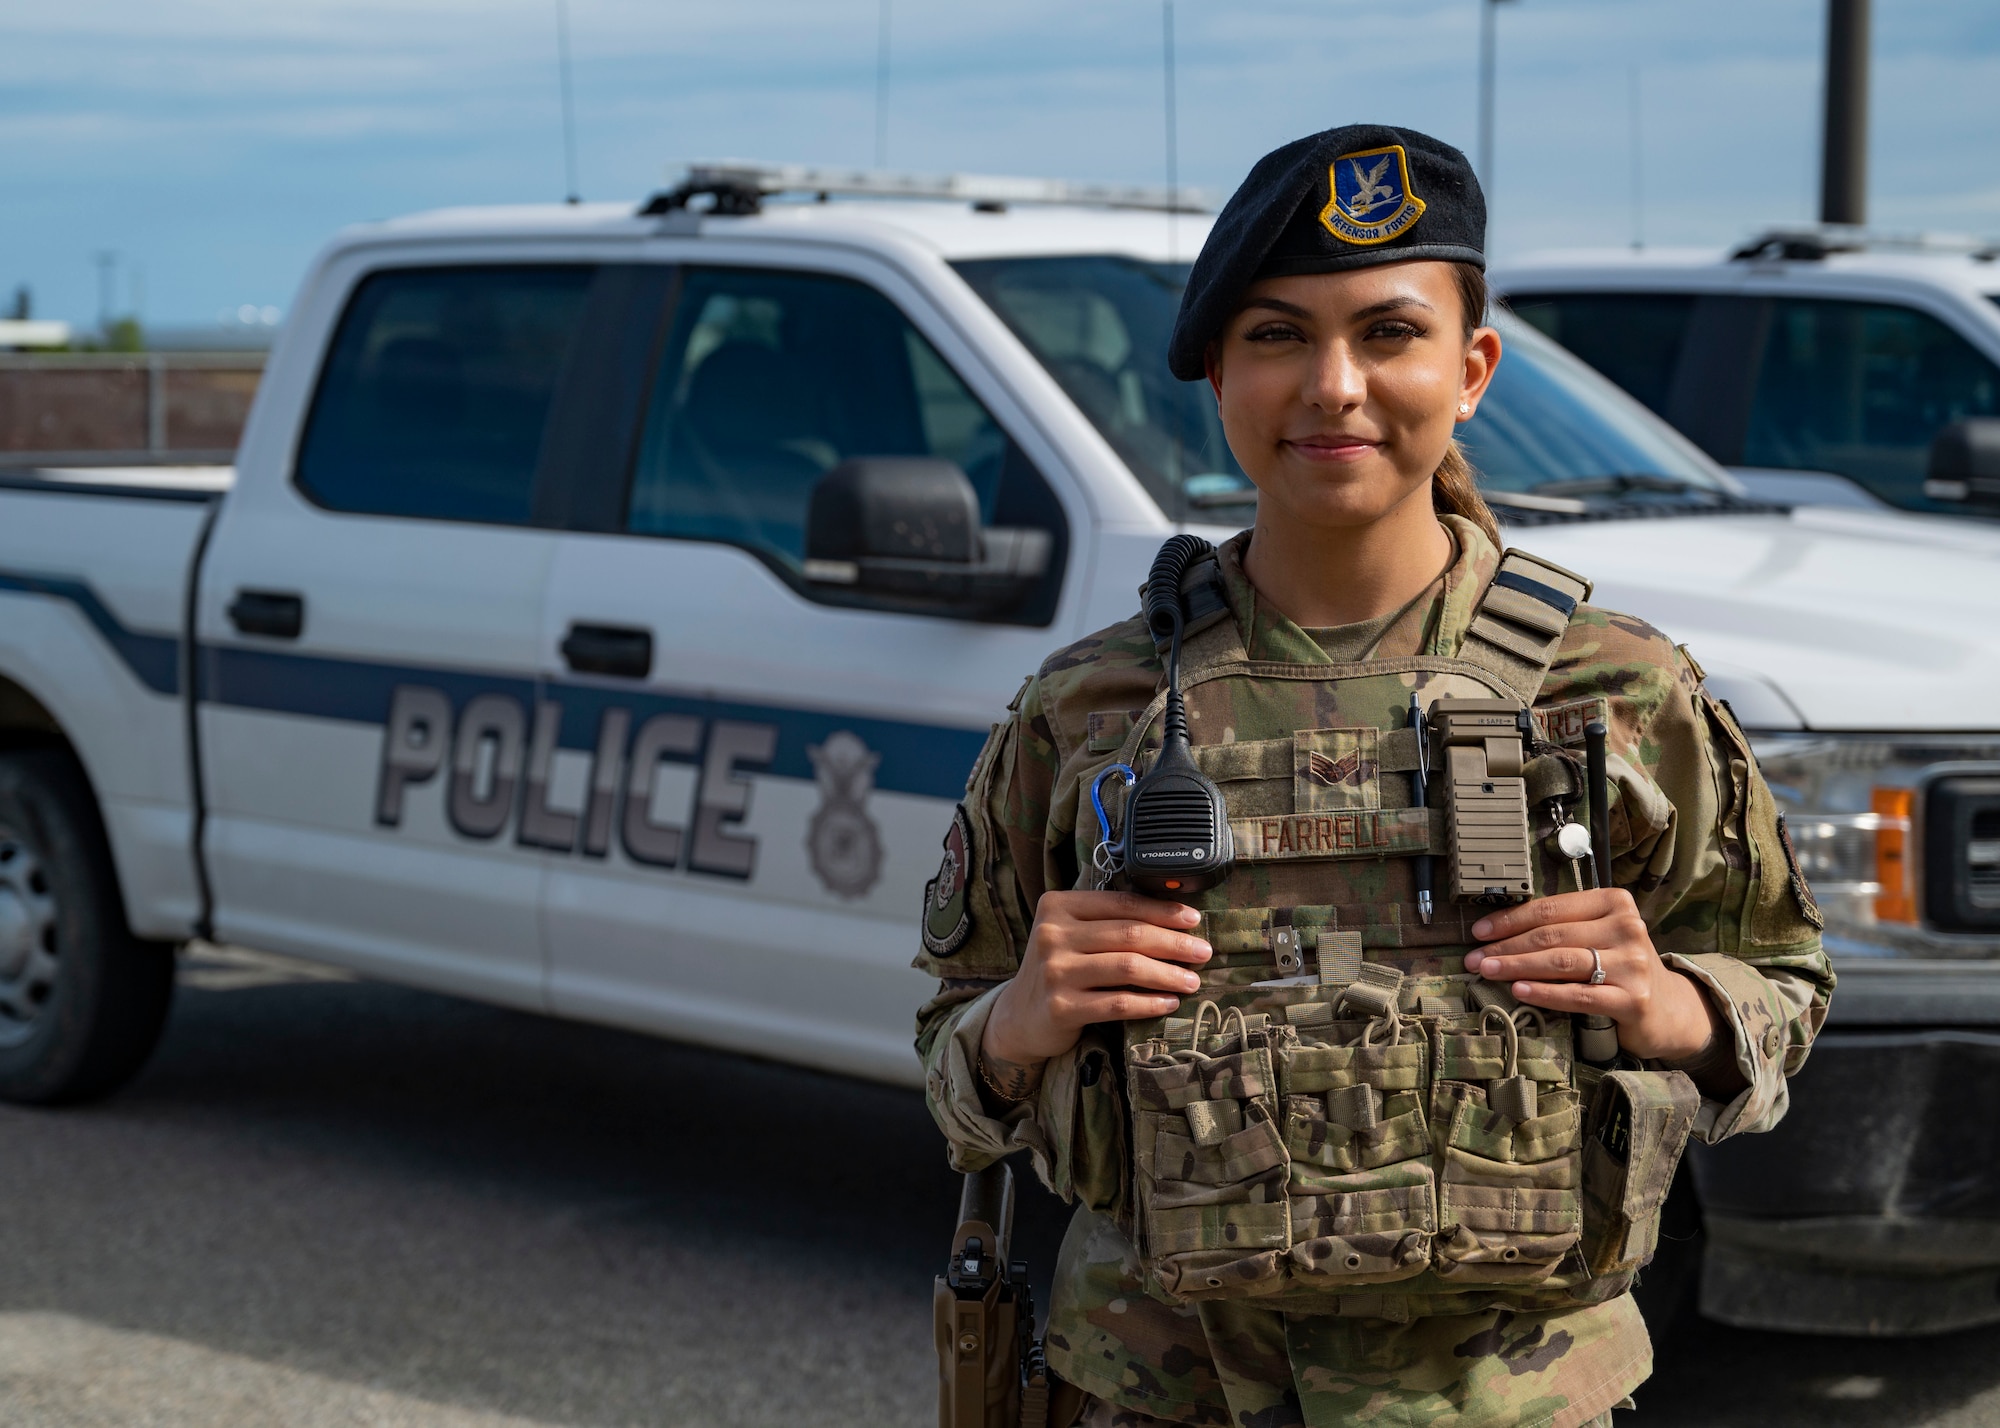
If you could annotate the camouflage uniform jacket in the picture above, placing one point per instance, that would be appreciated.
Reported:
(1696, 839)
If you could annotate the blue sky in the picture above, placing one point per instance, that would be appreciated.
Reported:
(215, 143)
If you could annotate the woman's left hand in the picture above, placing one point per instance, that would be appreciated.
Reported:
(1544, 948)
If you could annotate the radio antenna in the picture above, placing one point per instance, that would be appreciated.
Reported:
(568, 103)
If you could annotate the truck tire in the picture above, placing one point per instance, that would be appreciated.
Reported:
(82, 1000)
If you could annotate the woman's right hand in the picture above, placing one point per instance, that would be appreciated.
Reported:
(1093, 956)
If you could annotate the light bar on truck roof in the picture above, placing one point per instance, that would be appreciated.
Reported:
(1813, 242)
(739, 187)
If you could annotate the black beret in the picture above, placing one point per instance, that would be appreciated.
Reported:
(1346, 198)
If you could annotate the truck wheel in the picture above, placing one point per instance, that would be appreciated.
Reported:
(82, 1000)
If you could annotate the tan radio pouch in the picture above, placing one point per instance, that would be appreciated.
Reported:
(1483, 746)
(1637, 1125)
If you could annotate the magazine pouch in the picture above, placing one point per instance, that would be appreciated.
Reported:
(1209, 1160)
(1363, 1196)
(1509, 1147)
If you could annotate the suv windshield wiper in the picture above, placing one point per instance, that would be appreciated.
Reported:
(1559, 502)
(1522, 501)
(1620, 484)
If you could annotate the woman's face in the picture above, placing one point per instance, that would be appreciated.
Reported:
(1340, 391)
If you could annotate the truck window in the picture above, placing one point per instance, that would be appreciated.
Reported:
(436, 390)
(771, 379)
(1862, 389)
(1099, 323)
(1632, 338)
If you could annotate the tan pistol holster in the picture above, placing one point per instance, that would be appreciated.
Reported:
(991, 1372)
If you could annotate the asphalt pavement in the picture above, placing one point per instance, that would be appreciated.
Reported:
(330, 1202)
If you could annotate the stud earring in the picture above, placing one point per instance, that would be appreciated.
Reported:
(1464, 408)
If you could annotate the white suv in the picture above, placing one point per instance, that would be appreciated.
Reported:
(1820, 364)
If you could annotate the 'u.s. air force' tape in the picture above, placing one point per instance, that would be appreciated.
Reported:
(1361, 833)
(1564, 723)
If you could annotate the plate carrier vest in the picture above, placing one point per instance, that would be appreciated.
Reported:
(1347, 1109)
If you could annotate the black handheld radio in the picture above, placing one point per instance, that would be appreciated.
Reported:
(1177, 841)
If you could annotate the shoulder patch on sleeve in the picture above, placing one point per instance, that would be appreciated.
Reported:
(1800, 888)
(947, 909)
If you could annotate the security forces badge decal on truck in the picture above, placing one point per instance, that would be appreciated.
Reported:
(842, 840)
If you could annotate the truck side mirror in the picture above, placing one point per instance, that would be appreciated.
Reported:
(1965, 464)
(906, 529)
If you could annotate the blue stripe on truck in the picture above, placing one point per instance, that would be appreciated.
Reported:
(927, 759)
(931, 760)
(155, 659)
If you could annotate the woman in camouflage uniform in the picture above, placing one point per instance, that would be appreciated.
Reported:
(1321, 1203)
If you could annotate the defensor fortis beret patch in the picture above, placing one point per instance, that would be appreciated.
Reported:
(1369, 196)
(1347, 198)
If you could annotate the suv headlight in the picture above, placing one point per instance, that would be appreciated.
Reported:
(1898, 835)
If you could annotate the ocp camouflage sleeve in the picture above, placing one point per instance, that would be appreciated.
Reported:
(977, 915)
(1697, 840)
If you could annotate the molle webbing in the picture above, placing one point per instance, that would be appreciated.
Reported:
(1384, 925)
(1519, 622)
(1272, 758)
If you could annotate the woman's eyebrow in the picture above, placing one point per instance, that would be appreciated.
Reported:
(1387, 305)
(1289, 309)
(1390, 305)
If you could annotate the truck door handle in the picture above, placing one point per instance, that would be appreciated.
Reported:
(276, 613)
(609, 649)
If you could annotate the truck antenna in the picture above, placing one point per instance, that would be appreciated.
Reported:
(882, 89)
(568, 103)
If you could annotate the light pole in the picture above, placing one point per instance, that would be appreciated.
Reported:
(1487, 38)
(1843, 172)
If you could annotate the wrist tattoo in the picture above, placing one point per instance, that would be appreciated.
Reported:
(1009, 1081)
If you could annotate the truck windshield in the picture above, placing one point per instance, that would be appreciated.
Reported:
(1550, 430)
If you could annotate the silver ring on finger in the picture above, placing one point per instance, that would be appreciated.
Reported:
(1596, 968)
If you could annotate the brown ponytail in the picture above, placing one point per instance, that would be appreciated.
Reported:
(1454, 485)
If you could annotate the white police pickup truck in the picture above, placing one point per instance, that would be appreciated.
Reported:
(609, 603)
